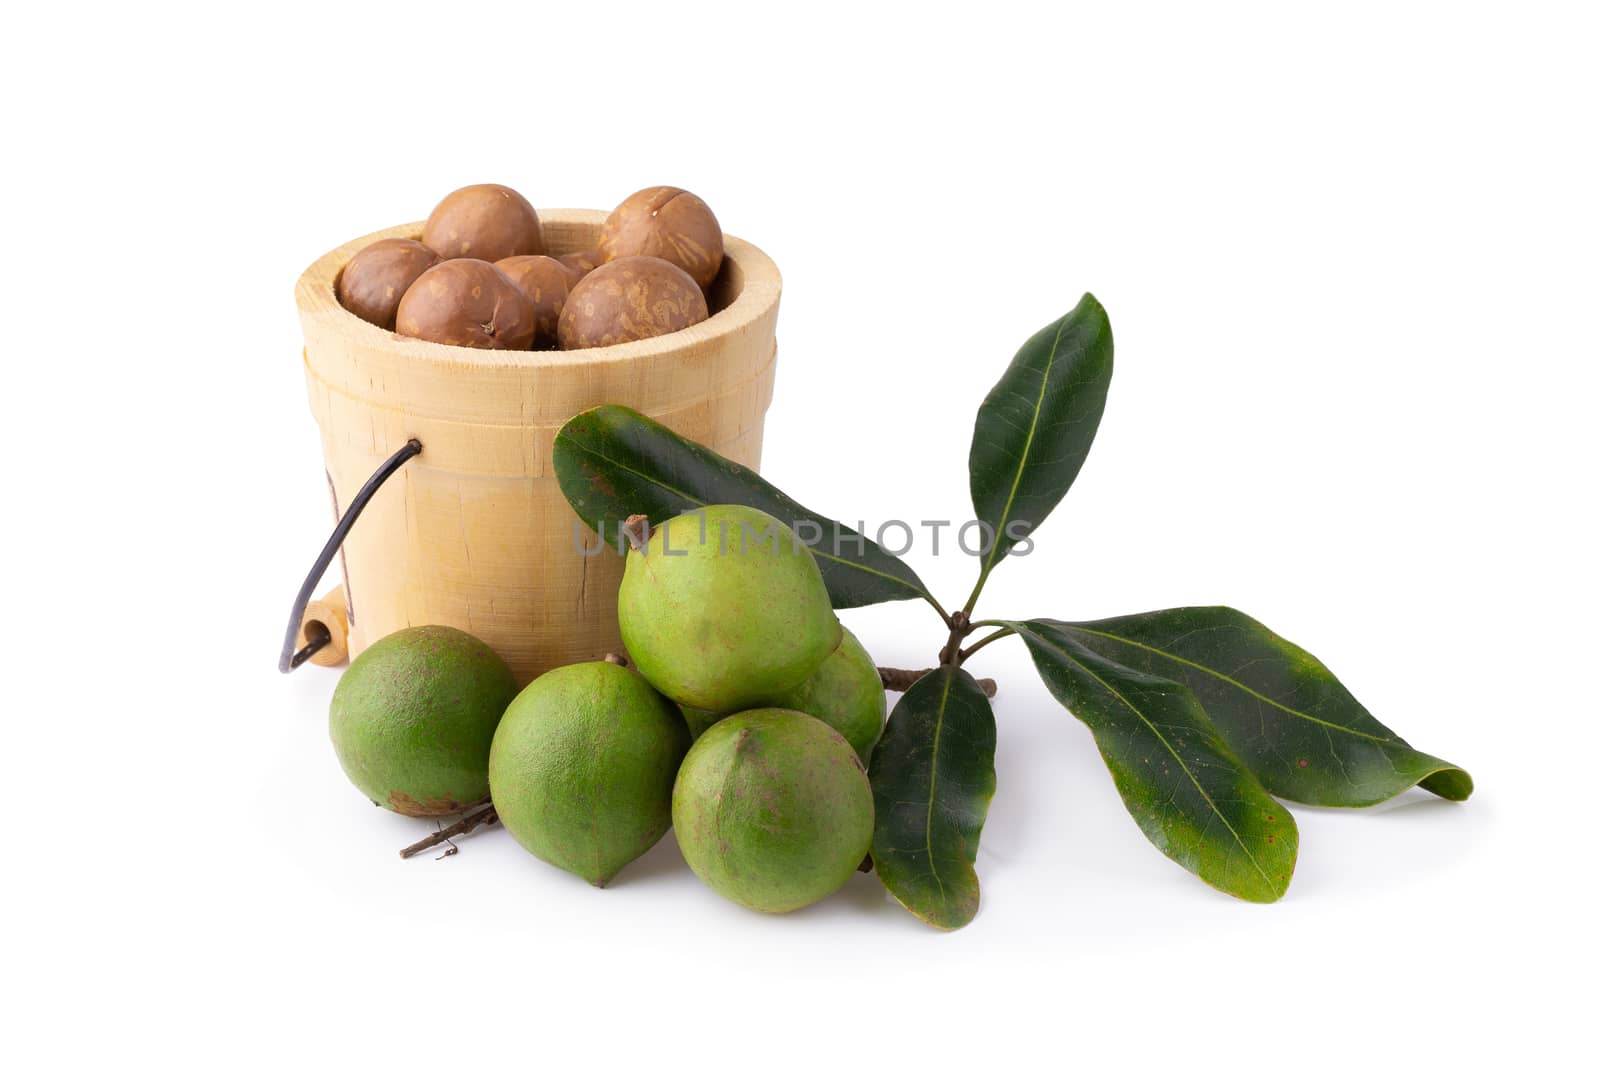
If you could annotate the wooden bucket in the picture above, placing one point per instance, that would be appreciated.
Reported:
(474, 532)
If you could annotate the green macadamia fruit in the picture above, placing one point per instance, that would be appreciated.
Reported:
(488, 222)
(772, 809)
(469, 303)
(413, 717)
(723, 608)
(630, 300)
(699, 720)
(667, 223)
(372, 283)
(545, 282)
(582, 768)
(847, 694)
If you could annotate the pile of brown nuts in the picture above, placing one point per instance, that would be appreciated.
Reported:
(479, 277)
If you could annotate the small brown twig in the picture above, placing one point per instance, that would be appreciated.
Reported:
(899, 680)
(617, 658)
(959, 628)
(637, 530)
(484, 816)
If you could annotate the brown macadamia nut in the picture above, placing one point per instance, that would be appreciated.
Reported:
(581, 263)
(372, 283)
(630, 299)
(545, 282)
(669, 223)
(488, 222)
(467, 302)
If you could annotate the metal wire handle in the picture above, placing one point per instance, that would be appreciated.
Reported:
(290, 658)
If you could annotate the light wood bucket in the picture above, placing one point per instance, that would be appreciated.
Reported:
(474, 532)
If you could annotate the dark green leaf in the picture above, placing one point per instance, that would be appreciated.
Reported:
(614, 463)
(1035, 427)
(932, 780)
(1187, 792)
(1301, 733)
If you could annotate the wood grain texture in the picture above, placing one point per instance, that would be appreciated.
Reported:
(475, 532)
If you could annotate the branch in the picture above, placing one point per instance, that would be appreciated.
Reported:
(484, 816)
(899, 680)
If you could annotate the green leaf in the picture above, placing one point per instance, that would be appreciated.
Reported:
(932, 780)
(1181, 784)
(613, 463)
(1035, 427)
(1301, 733)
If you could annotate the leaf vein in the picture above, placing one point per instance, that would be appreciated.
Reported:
(1154, 729)
(1240, 685)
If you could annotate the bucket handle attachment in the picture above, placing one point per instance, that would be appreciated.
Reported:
(290, 658)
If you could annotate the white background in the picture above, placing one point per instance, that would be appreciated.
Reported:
(1350, 259)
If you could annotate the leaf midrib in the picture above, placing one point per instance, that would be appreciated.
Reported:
(1240, 685)
(1266, 878)
(933, 785)
(701, 503)
(1027, 448)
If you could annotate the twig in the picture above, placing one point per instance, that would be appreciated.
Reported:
(899, 680)
(484, 816)
(967, 652)
(637, 530)
(959, 628)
